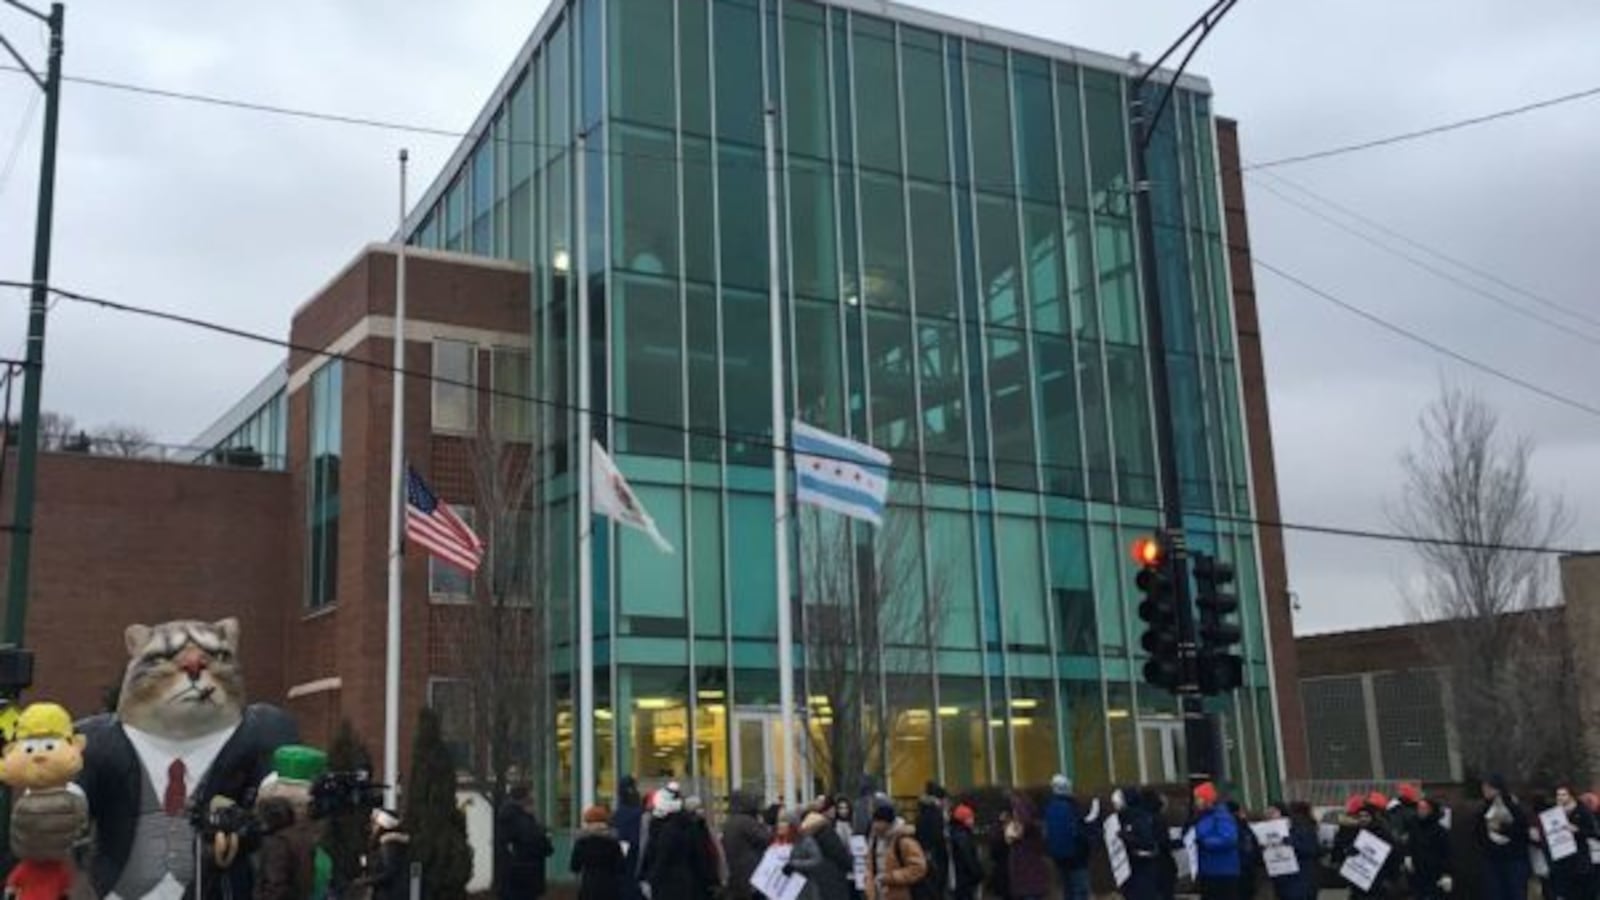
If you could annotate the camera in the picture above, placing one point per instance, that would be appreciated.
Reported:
(334, 793)
(209, 820)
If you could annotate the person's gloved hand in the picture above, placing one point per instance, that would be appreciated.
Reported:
(1446, 884)
(1410, 866)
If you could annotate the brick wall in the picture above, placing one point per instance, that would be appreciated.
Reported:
(1263, 473)
(123, 541)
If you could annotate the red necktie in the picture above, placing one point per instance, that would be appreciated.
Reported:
(177, 794)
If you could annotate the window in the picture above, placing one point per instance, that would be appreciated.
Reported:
(448, 583)
(511, 378)
(642, 63)
(922, 76)
(1022, 587)
(877, 95)
(805, 45)
(455, 386)
(644, 200)
(737, 24)
(648, 333)
(990, 102)
(327, 440)
(451, 698)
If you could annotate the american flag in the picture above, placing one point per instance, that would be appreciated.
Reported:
(434, 525)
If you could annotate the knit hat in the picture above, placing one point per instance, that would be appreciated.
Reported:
(883, 813)
(962, 814)
(667, 800)
(1353, 805)
(595, 815)
(1409, 793)
(1206, 792)
(1377, 800)
(1060, 785)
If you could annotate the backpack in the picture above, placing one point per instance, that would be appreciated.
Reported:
(923, 888)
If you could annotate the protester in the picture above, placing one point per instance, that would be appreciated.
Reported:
(524, 846)
(628, 821)
(966, 867)
(1428, 853)
(1249, 852)
(1370, 817)
(1217, 840)
(844, 819)
(931, 835)
(895, 862)
(388, 874)
(1000, 857)
(1403, 815)
(744, 839)
(1301, 884)
(1139, 839)
(827, 876)
(1502, 833)
(1166, 861)
(1029, 875)
(707, 847)
(675, 863)
(1571, 877)
(864, 808)
(597, 858)
(1067, 840)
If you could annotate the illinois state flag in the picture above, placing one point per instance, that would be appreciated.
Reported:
(610, 496)
(837, 473)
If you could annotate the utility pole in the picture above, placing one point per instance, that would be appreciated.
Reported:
(1199, 730)
(38, 306)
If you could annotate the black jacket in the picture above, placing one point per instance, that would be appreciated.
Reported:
(112, 780)
(675, 864)
(1515, 847)
(964, 858)
(1344, 847)
(598, 862)
(524, 846)
(826, 879)
(1429, 846)
(930, 834)
(744, 839)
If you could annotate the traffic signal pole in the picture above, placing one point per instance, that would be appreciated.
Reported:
(38, 307)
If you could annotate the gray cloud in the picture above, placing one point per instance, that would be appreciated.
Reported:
(239, 217)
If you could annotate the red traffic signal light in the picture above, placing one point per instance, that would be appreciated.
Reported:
(1148, 552)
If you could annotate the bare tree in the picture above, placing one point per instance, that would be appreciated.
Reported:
(55, 430)
(500, 643)
(868, 625)
(122, 440)
(1470, 504)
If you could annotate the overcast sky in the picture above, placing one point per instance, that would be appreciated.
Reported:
(239, 217)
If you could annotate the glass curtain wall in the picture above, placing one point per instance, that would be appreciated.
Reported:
(960, 287)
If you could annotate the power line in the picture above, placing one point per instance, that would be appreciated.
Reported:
(1426, 132)
(755, 440)
(1429, 343)
(23, 129)
(1434, 252)
(1450, 277)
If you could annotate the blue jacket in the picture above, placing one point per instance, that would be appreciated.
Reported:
(1066, 837)
(1217, 836)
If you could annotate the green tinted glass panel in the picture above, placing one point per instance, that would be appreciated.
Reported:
(747, 377)
(650, 583)
(927, 130)
(1130, 416)
(1109, 562)
(1047, 280)
(699, 211)
(933, 248)
(644, 200)
(1058, 414)
(1069, 119)
(694, 66)
(1011, 409)
(989, 105)
(951, 571)
(999, 265)
(1108, 149)
(1070, 589)
(648, 335)
(805, 80)
(1119, 294)
(894, 404)
(705, 522)
(811, 230)
(741, 194)
(877, 94)
(1086, 736)
(752, 588)
(1082, 306)
(883, 241)
(944, 410)
(1036, 128)
(738, 59)
(642, 63)
(1022, 584)
(705, 393)
(819, 365)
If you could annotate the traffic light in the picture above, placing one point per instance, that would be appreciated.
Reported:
(1221, 670)
(1158, 608)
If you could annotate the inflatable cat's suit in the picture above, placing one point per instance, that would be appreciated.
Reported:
(181, 739)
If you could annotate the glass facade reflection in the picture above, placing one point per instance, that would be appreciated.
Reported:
(960, 287)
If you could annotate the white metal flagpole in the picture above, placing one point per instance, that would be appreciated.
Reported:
(397, 466)
(780, 476)
(586, 701)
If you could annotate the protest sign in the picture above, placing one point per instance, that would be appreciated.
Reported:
(1276, 851)
(1362, 868)
(1558, 836)
(1116, 850)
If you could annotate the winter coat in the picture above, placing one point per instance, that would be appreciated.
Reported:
(930, 834)
(861, 812)
(1217, 839)
(999, 862)
(1302, 885)
(897, 858)
(1507, 843)
(524, 846)
(744, 840)
(1066, 836)
(1166, 862)
(389, 867)
(598, 861)
(286, 858)
(1144, 846)
(1570, 876)
(964, 860)
(825, 880)
(1028, 870)
(676, 864)
(1249, 858)
(837, 850)
(1344, 848)
(1429, 849)
(628, 822)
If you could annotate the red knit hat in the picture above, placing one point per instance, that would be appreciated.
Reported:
(1206, 793)
(1409, 793)
(962, 814)
(1354, 804)
(1377, 800)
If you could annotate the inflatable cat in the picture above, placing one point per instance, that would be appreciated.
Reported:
(182, 739)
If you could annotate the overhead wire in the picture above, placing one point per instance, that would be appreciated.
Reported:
(757, 440)
(24, 128)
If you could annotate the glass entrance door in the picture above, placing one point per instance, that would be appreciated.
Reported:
(1163, 751)
(758, 755)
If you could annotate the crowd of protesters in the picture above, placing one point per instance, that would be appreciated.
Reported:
(662, 846)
